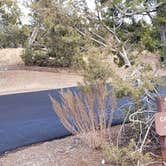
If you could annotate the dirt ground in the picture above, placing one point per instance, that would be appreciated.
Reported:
(63, 152)
(17, 81)
(17, 78)
(10, 57)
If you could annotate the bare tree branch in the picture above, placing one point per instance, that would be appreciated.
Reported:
(33, 36)
(93, 39)
(140, 11)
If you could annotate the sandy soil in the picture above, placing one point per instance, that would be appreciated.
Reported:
(16, 77)
(16, 81)
(10, 57)
(66, 152)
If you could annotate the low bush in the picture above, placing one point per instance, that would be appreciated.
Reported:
(41, 57)
(125, 156)
(28, 56)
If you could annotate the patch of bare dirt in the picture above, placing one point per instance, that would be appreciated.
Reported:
(11, 57)
(63, 152)
(16, 81)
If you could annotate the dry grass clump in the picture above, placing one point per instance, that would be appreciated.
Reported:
(87, 112)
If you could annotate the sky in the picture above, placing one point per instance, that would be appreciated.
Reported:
(25, 10)
(91, 4)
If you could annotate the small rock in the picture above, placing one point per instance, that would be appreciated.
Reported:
(103, 162)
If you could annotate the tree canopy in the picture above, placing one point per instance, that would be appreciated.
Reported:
(64, 30)
(12, 32)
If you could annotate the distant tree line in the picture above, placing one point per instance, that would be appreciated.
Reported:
(61, 32)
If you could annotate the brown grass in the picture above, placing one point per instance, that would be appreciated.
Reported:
(85, 113)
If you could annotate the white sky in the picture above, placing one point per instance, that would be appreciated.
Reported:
(24, 10)
(91, 4)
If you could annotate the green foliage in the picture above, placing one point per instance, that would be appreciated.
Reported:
(96, 69)
(57, 34)
(144, 35)
(161, 13)
(28, 56)
(40, 58)
(12, 33)
(63, 44)
(14, 36)
(160, 20)
(135, 33)
(126, 156)
(136, 86)
(37, 57)
(150, 38)
(9, 12)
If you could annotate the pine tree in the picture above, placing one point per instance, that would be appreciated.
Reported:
(12, 34)
(53, 36)
(161, 23)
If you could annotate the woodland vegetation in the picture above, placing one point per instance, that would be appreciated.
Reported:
(65, 30)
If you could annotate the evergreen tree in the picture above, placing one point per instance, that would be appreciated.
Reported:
(124, 15)
(12, 34)
(53, 33)
(161, 24)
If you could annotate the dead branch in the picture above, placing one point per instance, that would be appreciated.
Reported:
(91, 38)
(149, 9)
(33, 36)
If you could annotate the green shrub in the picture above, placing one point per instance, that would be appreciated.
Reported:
(28, 56)
(95, 68)
(125, 156)
(40, 58)
(53, 56)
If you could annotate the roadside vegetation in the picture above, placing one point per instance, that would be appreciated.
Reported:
(107, 45)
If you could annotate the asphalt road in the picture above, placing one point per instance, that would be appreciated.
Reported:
(28, 118)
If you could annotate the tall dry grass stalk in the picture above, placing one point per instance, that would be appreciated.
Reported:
(87, 112)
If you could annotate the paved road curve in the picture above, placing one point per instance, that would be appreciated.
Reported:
(28, 118)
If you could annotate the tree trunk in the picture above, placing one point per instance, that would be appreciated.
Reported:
(163, 40)
(125, 58)
(33, 36)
